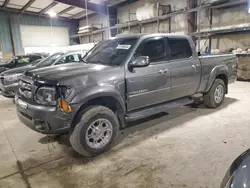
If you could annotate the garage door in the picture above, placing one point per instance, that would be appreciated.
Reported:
(44, 36)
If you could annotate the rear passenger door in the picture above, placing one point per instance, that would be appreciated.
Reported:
(185, 68)
(149, 85)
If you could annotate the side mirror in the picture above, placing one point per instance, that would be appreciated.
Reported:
(141, 61)
(199, 53)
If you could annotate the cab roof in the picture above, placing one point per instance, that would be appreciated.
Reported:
(150, 35)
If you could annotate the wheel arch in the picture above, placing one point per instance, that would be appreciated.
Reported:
(111, 99)
(218, 72)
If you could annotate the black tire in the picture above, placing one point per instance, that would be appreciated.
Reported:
(89, 115)
(209, 97)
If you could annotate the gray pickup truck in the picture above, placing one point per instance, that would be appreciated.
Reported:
(123, 79)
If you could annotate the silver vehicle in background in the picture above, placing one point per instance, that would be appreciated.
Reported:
(9, 79)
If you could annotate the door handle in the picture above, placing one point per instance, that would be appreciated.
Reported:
(197, 65)
(162, 71)
(193, 66)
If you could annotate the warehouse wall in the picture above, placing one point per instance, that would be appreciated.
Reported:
(178, 23)
(5, 40)
(96, 20)
(221, 17)
(16, 20)
(227, 17)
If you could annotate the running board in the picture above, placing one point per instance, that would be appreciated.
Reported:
(157, 109)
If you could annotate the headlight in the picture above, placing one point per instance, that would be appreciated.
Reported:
(12, 78)
(46, 96)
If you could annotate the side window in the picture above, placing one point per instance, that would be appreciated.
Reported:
(179, 48)
(33, 58)
(23, 60)
(153, 48)
(71, 58)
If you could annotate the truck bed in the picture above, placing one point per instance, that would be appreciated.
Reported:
(217, 61)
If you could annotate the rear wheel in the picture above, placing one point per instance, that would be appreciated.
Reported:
(95, 131)
(215, 96)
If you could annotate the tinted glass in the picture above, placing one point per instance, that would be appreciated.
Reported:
(179, 48)
(24, 59)
(49, 60)
(71, 58)
(35, 62)
(33, 58)
(153, 48)
(111, 52)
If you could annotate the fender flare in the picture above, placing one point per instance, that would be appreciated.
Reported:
(99, 91)
(217, 70)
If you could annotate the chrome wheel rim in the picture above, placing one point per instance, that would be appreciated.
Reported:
(99, 133)
(218, 94)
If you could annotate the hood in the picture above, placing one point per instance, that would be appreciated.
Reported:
(18, 70)
(3, 64)
(58, 73)
(2, 69)
(238, 175)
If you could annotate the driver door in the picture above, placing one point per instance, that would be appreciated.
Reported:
(149, 85)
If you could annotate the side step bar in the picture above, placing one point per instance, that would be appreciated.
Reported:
(157, 109)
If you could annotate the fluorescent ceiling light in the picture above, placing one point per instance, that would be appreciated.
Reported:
(52, 14)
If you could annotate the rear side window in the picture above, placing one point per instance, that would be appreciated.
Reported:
(179, 48)
(153, 48)
(70, 59)
(34, 58)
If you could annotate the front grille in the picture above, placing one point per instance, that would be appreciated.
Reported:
(25, 88)
(25, 115)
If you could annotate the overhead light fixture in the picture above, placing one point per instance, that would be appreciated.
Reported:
(52, 14)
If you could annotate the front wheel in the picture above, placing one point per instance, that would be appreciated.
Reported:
(215, 96)
(95, 131)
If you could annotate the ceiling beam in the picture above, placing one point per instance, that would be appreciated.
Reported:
(89, 16)
(11, 10)
(48, 7)
(90, 6)
(27, 5)
(82, 13)
(6, 3)
(65, 10)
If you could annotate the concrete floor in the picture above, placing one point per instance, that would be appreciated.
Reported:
(189, 147)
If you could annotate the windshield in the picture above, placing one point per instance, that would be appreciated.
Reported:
(49, 60)
(112, 52)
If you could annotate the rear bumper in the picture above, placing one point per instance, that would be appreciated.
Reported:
(43, 119)
(9, 90)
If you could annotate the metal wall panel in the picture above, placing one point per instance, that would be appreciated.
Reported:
(5, 39)
(17, 20)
